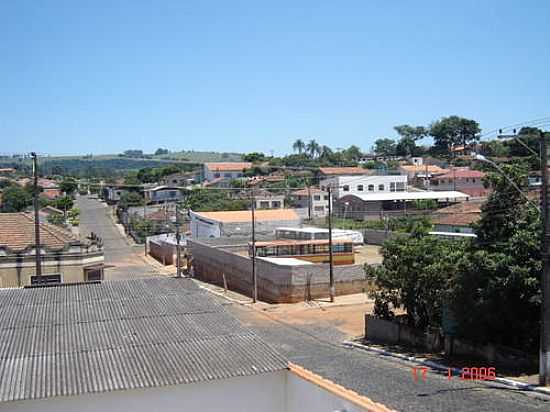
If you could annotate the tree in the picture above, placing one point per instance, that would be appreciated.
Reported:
(160, 151)
(299, 146)
(16, 199)
(202, 200)
(414, 276)
(415, 133)
(385, 147)
(313, 148)
(129, 199)
(64, 203)
(68, 186)
(353, 153)
(452, 131)
(254, 157)
(56, 219)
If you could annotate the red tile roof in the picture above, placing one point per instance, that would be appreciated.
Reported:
(228, 166)
(344, 171)
(461, 173)
(461, 214)
(17, 233)
(246, 215)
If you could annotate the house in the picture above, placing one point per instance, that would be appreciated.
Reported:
(158, 344)
(162, 194)
(265, 199)
(225, 170)
(457, 218)
(313, 199)
(462, 179)
(373, 206)
(178, 179)
(420, 174)
(65, 259)
(50, 188)
(112, 194)
(343, 185)
(239, 222)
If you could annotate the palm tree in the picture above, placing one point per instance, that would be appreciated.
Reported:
(325, 152)
(299, 146)
(313, 148)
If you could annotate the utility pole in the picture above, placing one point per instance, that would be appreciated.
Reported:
(254, 278)
(36, 215)
(330, 257)
(308, 201)
(144, 222)
(178, 249)
(544, 371)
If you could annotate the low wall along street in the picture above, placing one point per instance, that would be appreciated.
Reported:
(380, 330)
(277, 283)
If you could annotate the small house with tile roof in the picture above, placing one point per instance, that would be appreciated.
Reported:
(64, 258)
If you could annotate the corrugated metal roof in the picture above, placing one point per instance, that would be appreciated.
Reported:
(381, 196)
(239, 216)
(72, 340)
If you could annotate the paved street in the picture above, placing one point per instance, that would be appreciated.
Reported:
(317, 346)
(122, 260)
(315, 343)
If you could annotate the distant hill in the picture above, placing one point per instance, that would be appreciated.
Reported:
(105, 165)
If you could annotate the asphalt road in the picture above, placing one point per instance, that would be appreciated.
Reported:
(383, 379)
(122, 260)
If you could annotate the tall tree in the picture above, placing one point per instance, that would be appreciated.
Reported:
(452, 131)
(299, 146)
(414, 133)
(353, 153)
(313, 148)
(385, 147)
(16, 199)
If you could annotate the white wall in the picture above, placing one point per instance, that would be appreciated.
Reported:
(281, 391)
(302, 395)
(354, 183)
(260, 393)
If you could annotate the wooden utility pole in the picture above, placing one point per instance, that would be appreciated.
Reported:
(178, 248)
(544, 370)
(254, 278)
(36, 215)
(330, 256)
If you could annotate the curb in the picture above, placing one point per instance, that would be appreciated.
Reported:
(440, 367)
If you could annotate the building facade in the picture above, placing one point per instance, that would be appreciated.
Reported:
(64, 258)
(162, 194)
(315, 200)
(359, 185)
(462, 179)
(225, 170)
(239, 222)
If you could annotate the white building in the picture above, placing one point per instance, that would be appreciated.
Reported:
(359, 185)
(239, 222)
(158, 344)
(224, 170)
(313, 199)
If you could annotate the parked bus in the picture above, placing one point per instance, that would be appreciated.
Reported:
(315, 251)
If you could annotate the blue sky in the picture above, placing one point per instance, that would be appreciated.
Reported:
(101, 77)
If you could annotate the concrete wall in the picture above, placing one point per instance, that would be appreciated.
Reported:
(276, 283)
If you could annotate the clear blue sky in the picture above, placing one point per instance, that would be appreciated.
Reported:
(104, 76)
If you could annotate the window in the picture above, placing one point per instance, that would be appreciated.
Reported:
(229, 175)
(319, 208)
(400, 186)
(392, 186)
(264, 204)
(346, 188)
(326, 197)
(381, 187)
(276, 204)
(216, 175)
(317, 197)
(473, 180)
(359, 188)
(371, 188)
(172, 193)
(93, 274)
(47, 279)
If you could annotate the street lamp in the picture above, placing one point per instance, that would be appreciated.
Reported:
(484, 159)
